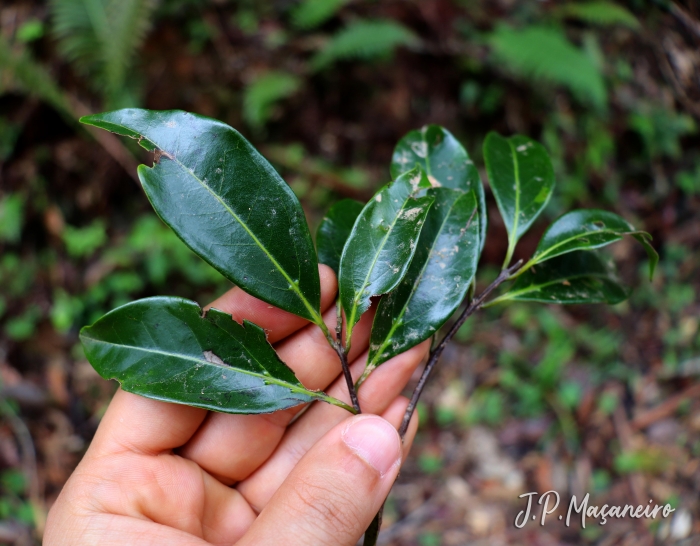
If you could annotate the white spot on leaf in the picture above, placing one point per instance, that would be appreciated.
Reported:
(414, 182)
(209, 356)
(420, 149)
(412, 214)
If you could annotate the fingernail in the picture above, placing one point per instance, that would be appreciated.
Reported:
(375, 441)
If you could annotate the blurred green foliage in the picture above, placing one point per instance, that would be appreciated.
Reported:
(599, 13)
(310, 14)
(262, 94)
(11, 208)
(31, 30)
(544, 55)
(100, 38)
(365, 40)
(12, 504)
(649, 460)
(83, 242)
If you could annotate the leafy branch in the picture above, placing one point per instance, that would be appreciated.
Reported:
(474, 305)
(416, 245)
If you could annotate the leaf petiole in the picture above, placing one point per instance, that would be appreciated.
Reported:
(338, 403)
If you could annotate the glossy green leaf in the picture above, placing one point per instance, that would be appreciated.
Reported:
(382, 243)
(436, 282)
(163, 348)
(522, 178)
(445, 161)
(576, 277)
(334, 230)
(585, 230)
(227, 203)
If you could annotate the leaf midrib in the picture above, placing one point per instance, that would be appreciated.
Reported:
(294, 287)
(534, 287)
(293, 284)
(358, 295)
(395, 323)
(516, 174)
(267, 378)
(549, 250)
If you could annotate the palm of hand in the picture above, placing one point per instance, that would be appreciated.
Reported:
(159, 473)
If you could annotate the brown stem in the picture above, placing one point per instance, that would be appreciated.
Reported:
(342, 354)
(435, 354)
(372, 532)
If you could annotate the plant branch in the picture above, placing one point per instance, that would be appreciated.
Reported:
(372, 532)
(343, 356)
(435, 354)
(342, 352)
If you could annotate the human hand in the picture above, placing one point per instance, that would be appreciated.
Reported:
(160, 473)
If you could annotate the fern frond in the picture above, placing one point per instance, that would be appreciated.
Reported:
(78, 25)
(599, 13)
(130, 21)
(312, 13)
(100, 37)
(543, 54)
(261, 95)
(364, 40)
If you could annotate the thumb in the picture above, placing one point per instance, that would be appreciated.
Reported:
(334, 492)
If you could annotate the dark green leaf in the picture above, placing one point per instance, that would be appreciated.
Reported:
(585, 230)
(334, 231)
(382, 243)
(436, 282)
(445, 161)
(576, 277)
(522, 178)
(227, 203)
(163, 348)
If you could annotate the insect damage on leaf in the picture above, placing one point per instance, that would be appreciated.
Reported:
(157, 154)
(380, 247)
(445, 162)
(437, 280)
(416, 243)
(210, 357)
(163, 348)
